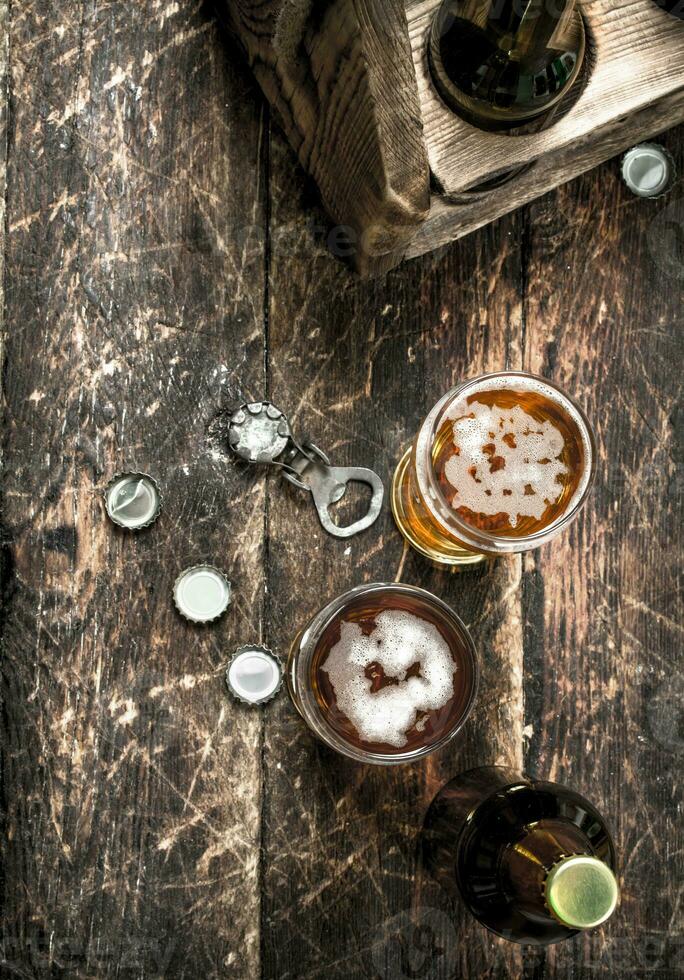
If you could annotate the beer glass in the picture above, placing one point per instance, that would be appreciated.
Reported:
(384, 674)
(502, 464)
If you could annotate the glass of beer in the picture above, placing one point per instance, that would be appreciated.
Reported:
(501, 464)
(384, 674)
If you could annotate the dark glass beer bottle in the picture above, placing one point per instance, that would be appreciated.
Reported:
(675, 7)
(533, 861)
(506, 64)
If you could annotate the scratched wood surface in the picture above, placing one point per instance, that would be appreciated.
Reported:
(164, 259)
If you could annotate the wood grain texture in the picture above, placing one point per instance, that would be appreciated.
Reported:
(164, 261)
(131, 784)
(455, 217)
(603, 604)
(341, 80)
(357, 366)
(365, 122)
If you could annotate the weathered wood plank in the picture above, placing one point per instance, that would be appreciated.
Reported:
(358, 366)
(132, 801)
(453, 218)
(602, 604)
(131, 784)
(341, 80)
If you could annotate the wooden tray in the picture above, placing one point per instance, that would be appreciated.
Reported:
(351, 86)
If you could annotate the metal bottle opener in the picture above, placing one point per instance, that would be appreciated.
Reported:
(260, 433)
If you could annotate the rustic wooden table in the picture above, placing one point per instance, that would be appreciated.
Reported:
(164, 261)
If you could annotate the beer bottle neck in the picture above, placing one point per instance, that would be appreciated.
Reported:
(551, 873)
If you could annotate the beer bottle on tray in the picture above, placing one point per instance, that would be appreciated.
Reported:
(506, 64)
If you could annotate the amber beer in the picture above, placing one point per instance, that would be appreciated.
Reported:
(386, 673)
(501, 464)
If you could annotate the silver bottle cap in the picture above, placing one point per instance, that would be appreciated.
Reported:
(133, 500)
(258, 432)
(254, 675)
(648, 170)
(202, 593)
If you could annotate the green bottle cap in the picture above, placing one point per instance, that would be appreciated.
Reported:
(581, 891)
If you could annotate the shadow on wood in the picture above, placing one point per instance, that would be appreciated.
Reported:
(341, 80)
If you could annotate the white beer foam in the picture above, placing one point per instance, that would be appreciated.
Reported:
(398, 641)
(526, 483)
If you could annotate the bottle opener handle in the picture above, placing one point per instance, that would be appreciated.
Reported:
(328, 485)
(260, 433)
